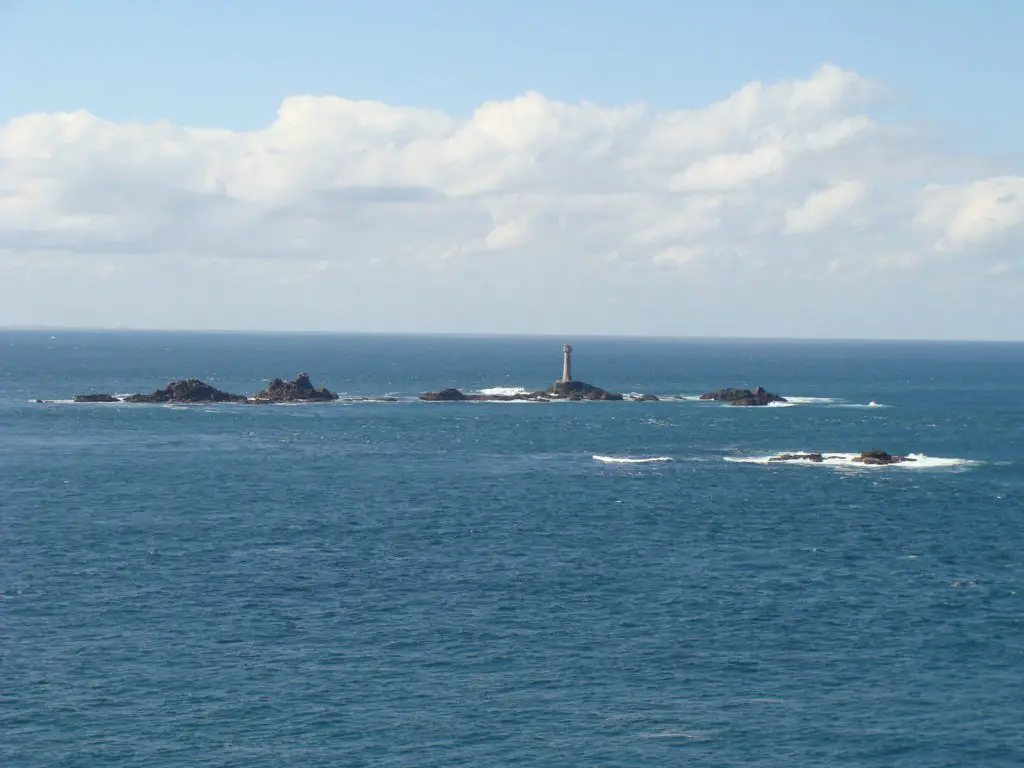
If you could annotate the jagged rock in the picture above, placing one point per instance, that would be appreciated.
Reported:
(880, 458)
(645, 399)
(817, 458)
(94, 398)
(300, 390)
(187, 391)
(735, 396)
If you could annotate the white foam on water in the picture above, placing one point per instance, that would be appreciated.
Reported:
(846, 461)
(502, 391)
(798, 400)
(630, 460)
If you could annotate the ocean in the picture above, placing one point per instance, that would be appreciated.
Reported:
(496, 584)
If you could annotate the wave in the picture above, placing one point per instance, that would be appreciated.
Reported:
(630, 460)
(799, 400)
(846, 460)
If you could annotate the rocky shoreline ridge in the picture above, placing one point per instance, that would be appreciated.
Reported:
(300, 390)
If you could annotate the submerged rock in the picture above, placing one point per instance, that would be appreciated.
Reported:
(736, 396)
(93, 398)
(446, 395)
(880, 458)
(298, 391)
(645, 399)
(187, 391)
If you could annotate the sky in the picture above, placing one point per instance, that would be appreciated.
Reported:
(750, 169)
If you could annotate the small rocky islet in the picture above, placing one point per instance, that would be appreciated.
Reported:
(301, 390)
(736, 396)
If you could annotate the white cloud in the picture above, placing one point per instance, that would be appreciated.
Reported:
(821, 208)
(374, 204)
(970, 214)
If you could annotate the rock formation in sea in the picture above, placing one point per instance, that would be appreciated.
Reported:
(880, 458)
(868, 457)
(187, 391)
(566, 388)
(93, 398)
(735, 396)
(298, 391)
(817, 458)
(561, 390)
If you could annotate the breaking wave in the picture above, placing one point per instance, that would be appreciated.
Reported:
(503, 391)
(630, 460)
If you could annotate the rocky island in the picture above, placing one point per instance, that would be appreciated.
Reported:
(734, 396)
(566, 388)
(196, 391)
(299, 391)
(186, 391)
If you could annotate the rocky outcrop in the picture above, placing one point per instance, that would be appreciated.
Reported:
(299, 391)
(93, 398)
(734, 396)
(645, 399)
(580, 390)
(187, 391)
(817, 458)
(560, 390)
(880, 458)
(448, 395)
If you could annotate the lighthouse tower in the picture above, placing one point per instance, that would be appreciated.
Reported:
(567, 362)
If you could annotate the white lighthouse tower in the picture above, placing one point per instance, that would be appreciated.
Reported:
(567, 362)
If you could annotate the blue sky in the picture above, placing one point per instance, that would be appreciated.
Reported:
(230, 64)
(917, 198)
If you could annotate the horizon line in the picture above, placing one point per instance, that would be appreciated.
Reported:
(492, 335)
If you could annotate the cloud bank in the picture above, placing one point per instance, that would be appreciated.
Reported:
(783, 209)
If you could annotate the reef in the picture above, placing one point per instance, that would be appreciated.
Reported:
(93, 398)
(880, 458)
(735, 396)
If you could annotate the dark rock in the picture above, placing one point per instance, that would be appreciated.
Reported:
(446, 395)
(187, 391)
(580, 390)
(299, 391)
(95, 398)
(817, 458)
(735, 396)
(880, 458)
(560, 390)
(646, 399)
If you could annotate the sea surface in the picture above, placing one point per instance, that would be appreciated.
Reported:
(475, 584)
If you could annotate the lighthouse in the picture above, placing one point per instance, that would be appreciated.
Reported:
(566, 362)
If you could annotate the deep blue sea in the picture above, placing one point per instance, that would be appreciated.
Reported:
(465, 584)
